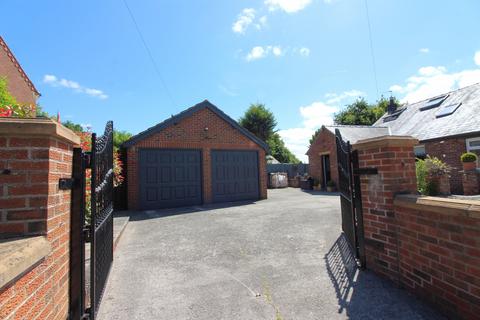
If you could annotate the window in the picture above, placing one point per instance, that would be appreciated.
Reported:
(447, 110)
(394, 115)
(434, 102)
(420, 151)
(473, 144)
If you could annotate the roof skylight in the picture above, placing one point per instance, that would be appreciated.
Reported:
(394, 115)
(434, 102)
(447, 110)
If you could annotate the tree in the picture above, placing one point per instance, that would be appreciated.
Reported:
(361, 112)
(73, 126)
(259, 120)
(279, 151)
(120, 137)
(40, 113)
(314, 136)
(6, 99)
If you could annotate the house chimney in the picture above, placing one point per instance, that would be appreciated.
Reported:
(392, 106)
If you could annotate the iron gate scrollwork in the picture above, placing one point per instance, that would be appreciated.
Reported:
(102, 214)
(98, 232)
(350, 197)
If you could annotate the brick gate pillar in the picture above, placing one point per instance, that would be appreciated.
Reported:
(34, 218)
(394, 158)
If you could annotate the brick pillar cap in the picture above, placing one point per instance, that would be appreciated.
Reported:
(386, 141)
(37, 127)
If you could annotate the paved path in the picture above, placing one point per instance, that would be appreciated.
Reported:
(281, 258)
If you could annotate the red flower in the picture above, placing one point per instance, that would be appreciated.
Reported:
(7, 112)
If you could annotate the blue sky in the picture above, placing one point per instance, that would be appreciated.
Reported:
(304, 59)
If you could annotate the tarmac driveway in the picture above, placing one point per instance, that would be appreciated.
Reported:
(281, 258)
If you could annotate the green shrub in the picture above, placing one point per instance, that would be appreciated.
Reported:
(426, 170)
(468, 157)
(436, 167)
(331, 184)
(421, 171)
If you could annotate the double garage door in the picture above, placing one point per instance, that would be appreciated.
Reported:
(173, 178)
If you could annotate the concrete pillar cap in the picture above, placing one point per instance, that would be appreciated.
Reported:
(37, 127)
(386, 141)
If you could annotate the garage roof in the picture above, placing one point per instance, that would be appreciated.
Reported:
(187, 113)
(356, 133)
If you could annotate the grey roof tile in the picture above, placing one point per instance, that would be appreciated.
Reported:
(424, 125)
(356, 133)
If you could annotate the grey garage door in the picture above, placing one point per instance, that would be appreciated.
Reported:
(170, 178)
(234, 175)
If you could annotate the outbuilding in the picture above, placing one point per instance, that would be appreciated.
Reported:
(198, 156)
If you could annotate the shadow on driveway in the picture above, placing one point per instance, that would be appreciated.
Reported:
(363, 295)
(162, 213)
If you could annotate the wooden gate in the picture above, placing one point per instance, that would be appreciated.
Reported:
(350, 197)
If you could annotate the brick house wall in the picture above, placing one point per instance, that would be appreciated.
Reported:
(190, 133)
(18, 83)
(324, 144)
(34, 154)
(449, 151)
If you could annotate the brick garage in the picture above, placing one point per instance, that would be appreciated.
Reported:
(324, 145)
(202, 146)
(322, 154)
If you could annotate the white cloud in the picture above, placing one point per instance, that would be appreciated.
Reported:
(49, 78)
(314, 116)
(476, 58)
(263, 20)
(289, 6)
(424, 50)
(277, 51)
(260, 52)
(56, 82)
(334, 98)
(431, 81)
(227, 91)
(304, 51)
(244, 20)
(257, 53)
(86, 127)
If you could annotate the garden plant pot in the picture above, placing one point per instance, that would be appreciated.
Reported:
(330, 189)
(469, 166)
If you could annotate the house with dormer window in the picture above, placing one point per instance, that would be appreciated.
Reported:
(446, 126)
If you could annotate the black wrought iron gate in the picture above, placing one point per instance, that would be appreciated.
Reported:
(350, 197)
(95, 228)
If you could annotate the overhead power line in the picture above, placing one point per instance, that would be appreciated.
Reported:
(371, 47)
(149, 53)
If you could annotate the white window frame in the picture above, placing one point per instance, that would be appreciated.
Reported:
(467, 141)
(468, 144)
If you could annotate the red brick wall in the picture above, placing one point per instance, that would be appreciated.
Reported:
(18, 86)
(31, 203)
(439, 254)
(190, 133)
(395, 162)
(471, 182)
(425, 244)
(325, 143)
(449, 151)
